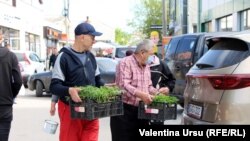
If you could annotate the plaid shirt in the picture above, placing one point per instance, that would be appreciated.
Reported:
(131, 78)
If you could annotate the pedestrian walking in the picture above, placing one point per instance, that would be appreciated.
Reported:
(52, 58)
(10, 84)
(76, 66)
(134, 78)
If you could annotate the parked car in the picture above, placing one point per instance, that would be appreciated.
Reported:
(41, 81)
(30, 63)
(24, 76)
(182, 52)
(107, 68)
(218, 85)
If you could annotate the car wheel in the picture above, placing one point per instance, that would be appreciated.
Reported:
(25, 86)
(182, 105)
(39, 88)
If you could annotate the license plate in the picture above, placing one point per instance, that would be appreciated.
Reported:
(194, 110)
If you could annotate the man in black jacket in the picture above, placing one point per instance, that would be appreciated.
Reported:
(161, 76)
(76, 66)
(10, 84)
(52, 58)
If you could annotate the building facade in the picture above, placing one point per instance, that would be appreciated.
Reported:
(177, 17)
(22, 24)
(182, 16)
(225, 15)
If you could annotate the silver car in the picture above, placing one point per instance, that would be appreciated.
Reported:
(218, 85)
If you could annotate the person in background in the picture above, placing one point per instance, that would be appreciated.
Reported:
(52, 58)
(129, 52)
(10, 84)
(134, 78)
(76, 66)
(54, 99)
(161, 76)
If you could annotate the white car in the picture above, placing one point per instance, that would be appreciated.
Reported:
(30, 63)
(218, 85)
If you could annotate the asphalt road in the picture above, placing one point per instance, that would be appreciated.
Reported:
(30, 113)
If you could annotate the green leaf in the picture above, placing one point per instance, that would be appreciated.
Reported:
(165, 99)
(100, 95)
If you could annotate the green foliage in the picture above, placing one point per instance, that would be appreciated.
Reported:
(147, 13)
(164, 99)
(100, 95)
(122, 37)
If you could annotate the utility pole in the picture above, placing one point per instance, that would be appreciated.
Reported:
(164, 30)
(199, 16)
(66, 18)
(185, 17)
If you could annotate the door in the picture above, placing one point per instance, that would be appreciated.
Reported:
(183, 61)
(36, 61)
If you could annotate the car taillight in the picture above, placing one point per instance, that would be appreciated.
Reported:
(227, 82)
(27, 62)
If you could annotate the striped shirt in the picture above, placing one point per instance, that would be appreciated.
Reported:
(131, 77)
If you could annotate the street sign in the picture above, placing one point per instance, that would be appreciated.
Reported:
(156, 26)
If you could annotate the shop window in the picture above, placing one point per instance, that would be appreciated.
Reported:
(32, 42)
(226, 23)
(245, 20)
(208, 26)
(11, 37)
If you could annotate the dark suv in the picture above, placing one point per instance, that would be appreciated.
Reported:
(182, 52)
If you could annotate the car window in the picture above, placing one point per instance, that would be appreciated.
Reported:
(20, 56)
(171, 48)
(201, 48)
(184, 51)
(224, 53)
(106, 65)
(34, 57)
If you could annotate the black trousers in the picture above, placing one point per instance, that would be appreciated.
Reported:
(5, 122)
(125, 127)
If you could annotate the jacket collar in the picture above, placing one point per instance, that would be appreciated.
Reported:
(155, 62)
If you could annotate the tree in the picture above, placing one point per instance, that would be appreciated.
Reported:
(147, 13)
(122, 37)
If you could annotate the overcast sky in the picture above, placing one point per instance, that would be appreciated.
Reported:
(113, 13)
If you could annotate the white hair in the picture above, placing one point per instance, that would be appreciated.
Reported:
(146, 45)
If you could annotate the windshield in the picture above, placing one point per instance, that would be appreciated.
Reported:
(121, 52)
(226, 52)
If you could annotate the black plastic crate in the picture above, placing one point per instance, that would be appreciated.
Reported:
(157, 111)
(89, 109)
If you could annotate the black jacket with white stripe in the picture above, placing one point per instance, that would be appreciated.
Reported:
(161, 75)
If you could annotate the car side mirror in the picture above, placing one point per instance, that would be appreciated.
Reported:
(42, 60)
